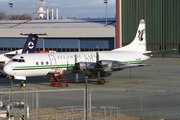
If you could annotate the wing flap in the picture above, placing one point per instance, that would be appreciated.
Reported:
(132, 66)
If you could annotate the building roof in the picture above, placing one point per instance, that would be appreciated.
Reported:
(96, 22)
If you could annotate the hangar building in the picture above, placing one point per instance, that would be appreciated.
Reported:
(162, 29)
(63, 34)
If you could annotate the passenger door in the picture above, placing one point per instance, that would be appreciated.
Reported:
(53, 61)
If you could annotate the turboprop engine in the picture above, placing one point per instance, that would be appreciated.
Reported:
(102, 66)
(107, 65)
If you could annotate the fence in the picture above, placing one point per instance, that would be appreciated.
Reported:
(103, 104)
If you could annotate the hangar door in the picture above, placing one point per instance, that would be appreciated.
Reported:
(61, 42)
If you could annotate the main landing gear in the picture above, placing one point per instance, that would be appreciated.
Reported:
(101, 81)
(22, 84)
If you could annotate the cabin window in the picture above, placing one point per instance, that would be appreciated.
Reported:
(19, 60)
(41, 63)
(36, 63)
(47, 63)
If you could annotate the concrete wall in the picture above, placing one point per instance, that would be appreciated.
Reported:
(70, 32)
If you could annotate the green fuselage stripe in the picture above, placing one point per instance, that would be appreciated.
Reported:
(139, 61)
(63, 65)
(44, 66)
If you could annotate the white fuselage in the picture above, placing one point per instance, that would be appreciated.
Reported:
(42, 64)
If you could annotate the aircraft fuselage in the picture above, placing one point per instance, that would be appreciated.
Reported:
(43, 64)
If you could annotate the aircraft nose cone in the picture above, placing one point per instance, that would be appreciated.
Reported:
(7, 69)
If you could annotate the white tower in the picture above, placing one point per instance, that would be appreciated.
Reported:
(52, 13)
(57, 13)
(41, 5)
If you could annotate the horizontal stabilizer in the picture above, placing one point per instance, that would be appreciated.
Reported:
(34, 34)
(158, 52)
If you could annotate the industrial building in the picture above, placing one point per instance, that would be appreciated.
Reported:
(63, 34)
(162, 29)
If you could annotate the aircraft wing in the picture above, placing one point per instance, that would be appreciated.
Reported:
(158, 52)
(105, 65)
(2, 62)
(132, 66)
(9, 55)
(13, 53)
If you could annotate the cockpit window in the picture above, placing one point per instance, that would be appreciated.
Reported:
(18, 60)
(14, 60)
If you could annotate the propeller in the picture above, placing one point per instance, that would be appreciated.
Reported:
(98, 67)
(67, 65)
(76, 67)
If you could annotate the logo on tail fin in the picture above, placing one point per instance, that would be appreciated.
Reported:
(140, 36)
(30, 45)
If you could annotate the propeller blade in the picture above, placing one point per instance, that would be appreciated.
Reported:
(97, 56)
(75, 56)
(76, 66)
(98, 79)
(67, 65)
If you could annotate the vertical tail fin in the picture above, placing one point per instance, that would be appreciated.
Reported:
(139, 42)
(30, 45)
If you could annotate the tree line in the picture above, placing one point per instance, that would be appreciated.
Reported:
(4, 16)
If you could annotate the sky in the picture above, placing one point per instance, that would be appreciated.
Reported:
(67, 8)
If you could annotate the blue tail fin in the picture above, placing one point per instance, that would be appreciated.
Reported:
(30, 45)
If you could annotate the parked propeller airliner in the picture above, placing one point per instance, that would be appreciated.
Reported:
(92, 64)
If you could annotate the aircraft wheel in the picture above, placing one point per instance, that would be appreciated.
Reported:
(22, 85)
(98, 82)
(102, 81)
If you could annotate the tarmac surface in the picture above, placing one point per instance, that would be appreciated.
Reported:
(164, 74)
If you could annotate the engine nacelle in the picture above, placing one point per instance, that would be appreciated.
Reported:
(92, 68)
(82, 67)
(108, 65)
(85, 65)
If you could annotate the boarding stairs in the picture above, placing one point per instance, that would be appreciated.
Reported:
(55, 81)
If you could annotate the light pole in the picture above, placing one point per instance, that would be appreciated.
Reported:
(11, 5)
(60, 48)
(105, 2)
